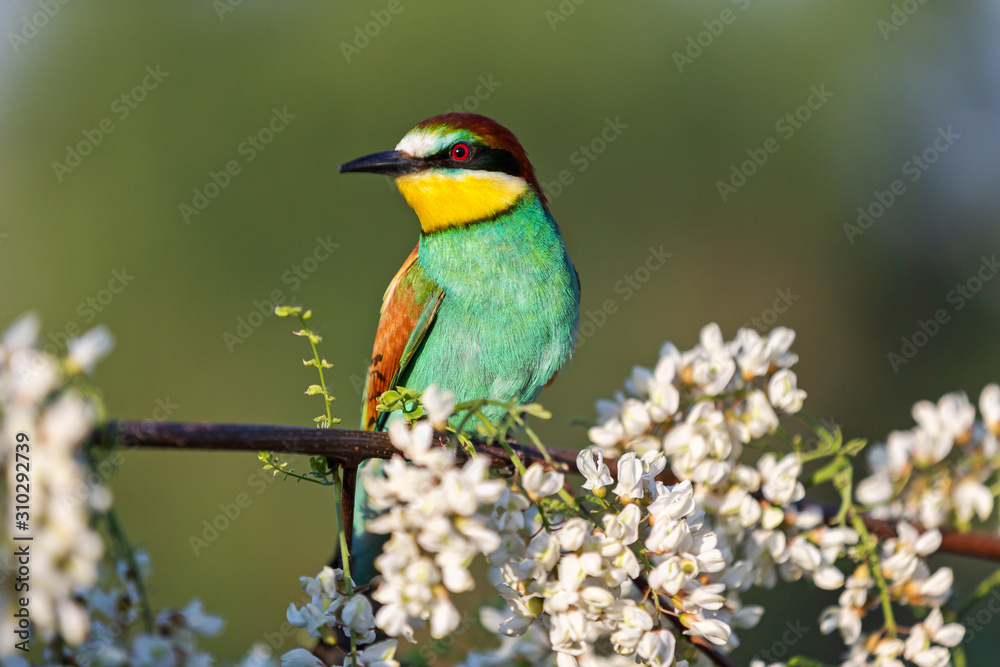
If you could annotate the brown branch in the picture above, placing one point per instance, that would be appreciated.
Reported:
(350, 447)
(342, 446)
(977, 545)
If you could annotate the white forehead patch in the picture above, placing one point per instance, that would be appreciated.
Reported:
(421, 143)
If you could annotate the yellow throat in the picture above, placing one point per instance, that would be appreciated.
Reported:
(443, 200)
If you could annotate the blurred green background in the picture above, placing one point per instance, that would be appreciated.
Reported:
(556, 73)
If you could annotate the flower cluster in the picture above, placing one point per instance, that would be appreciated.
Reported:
(532, 649)
(700, 408)
(936, 473)
(909, 582)
(86, 609)
(431, 512)
(334, 604)
(45, 489)
(612, 573)
(117, 636)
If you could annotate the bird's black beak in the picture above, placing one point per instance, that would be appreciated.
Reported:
(390, 163)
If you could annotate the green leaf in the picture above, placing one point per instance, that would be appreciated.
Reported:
(287, 311)
(314, 389)
(536, 410)
(855, 446)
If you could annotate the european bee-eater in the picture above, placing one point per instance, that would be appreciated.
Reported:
(487, 304)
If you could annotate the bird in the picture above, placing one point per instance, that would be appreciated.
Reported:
(488, 302)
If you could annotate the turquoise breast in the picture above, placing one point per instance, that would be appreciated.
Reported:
(508, 320)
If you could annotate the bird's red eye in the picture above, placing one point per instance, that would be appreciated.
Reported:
(461, 151)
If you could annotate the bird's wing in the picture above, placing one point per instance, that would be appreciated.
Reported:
(408, 309)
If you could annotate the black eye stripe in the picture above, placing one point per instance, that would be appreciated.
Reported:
(483, 158)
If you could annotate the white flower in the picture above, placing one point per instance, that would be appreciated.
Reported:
(845, 619)
(783, 391)
(713, 368)
(656, 649)
(989, 407)
(674, 502)
(635, 418)
(381, 654)
(444, 618)
(301, 658)
(705, 597)
(920, 648)
(309, 617)
(417, 443)
(874, 490)
(608, 434)
(634, 624)
(938, 585)
(972, 498)
(711, 629)
(828, 578)
(538, 483)
(149, 651)
(590, 462)
(668, 577)
(439, 405)
(781, 478)
(356, 614)
(630, 472)
(759, 415)
(197, 620)
(91, 347)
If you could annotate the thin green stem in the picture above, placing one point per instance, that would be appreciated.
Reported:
(319, 367)
(536, 440)
(858, 523)
(118, 532)
(345, 558)
(568, 498)
(514, 458)
(291, 473)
